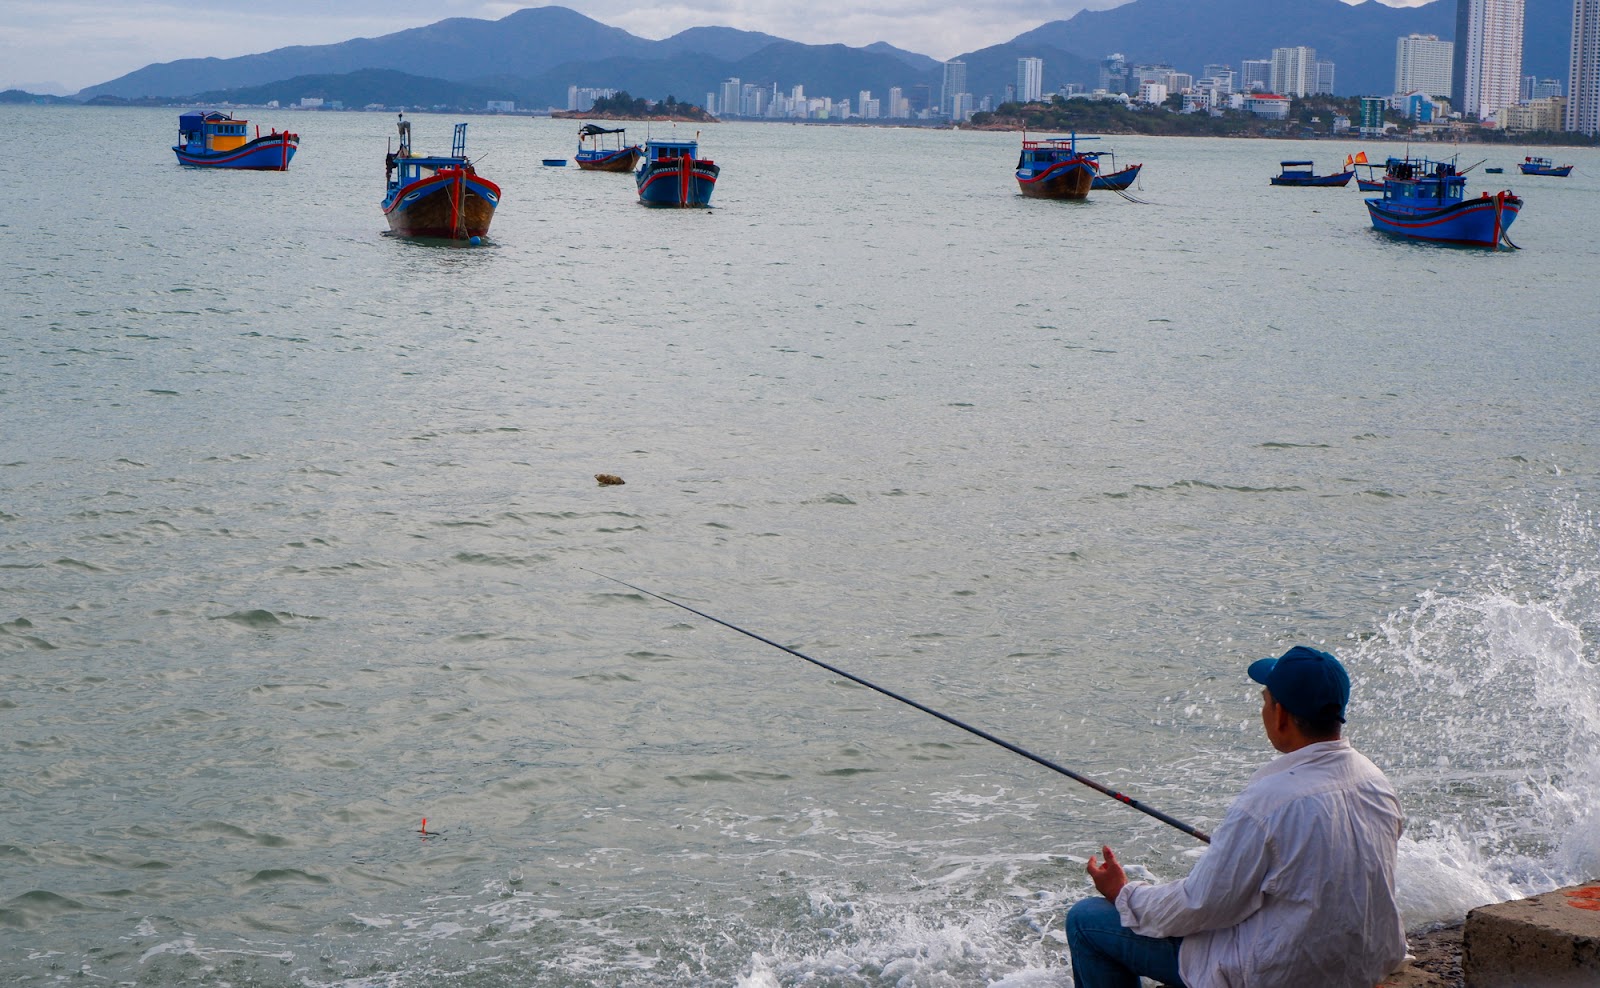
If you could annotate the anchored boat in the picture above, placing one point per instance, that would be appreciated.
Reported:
(1426, 200)
(437, 195)
(1544, 166)
(592, 156)
(1300, 173)
(673, 174)
(1117, 179)
(1054, 168)
(213, 139)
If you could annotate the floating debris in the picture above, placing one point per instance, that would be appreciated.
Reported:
(609, 479)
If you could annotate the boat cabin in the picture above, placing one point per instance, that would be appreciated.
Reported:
(1050, 150)
(211, 131)
(404, 167)
(1296, 169)
(659, 151)
(1420, 181)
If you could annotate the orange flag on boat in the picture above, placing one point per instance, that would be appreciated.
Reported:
(1361, 158)
(1348, 161)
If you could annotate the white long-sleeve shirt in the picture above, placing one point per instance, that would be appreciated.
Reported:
(1297, 887)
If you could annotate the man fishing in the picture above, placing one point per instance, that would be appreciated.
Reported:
(1297, 887)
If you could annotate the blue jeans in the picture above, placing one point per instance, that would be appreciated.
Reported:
(1107, 955)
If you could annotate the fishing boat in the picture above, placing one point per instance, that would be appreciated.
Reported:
(1369, 175)
(673, 174)
(1426, 200)
(1117, 179)
(437, 195)
(555, 162)
(1544, 166)
(592, 156)
(1494, 171)
(1300, 173)
(213, 139)
(1054, 168)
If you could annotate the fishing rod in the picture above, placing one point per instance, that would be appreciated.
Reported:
(1015, 749)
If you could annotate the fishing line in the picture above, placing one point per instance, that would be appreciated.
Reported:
(1014, 749)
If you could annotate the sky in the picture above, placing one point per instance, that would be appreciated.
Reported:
(62, 46)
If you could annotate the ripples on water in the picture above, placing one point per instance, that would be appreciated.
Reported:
(299, 524)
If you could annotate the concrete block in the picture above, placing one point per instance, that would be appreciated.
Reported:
(1544, 941)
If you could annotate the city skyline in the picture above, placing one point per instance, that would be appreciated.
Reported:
(72, 44)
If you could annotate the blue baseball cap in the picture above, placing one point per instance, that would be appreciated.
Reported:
(1304, 681)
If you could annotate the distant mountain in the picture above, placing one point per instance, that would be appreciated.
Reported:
(723, 43)
(361, 88)
(533, 55)
(42, 99)
(919, 63)
(519, 44)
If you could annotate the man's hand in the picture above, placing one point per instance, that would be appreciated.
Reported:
(1109, 877)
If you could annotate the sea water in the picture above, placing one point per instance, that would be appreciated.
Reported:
(300, 544)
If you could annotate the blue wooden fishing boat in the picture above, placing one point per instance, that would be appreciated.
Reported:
(437, 195)
(1054, 168)
(1544, 166)
(555, 162)
(1426, 200)
(1300, 173)
(673, 174)
(593, 157)
(213, 139)
(1117, 179)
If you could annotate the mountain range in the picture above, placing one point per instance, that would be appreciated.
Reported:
(532, 55)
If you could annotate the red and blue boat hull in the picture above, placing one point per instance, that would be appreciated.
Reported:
(271, 154)
(451, 204)
(1070, 178)
(682, 181)
(1117, 180)
(1338, 180)
(1481, 222)
(1556, 171)
(622, 160)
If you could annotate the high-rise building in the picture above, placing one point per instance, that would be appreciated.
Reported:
(1221, 77)
(1489, 50)
(920, 100)
(1030, 80)
(955, 84)
(1422, 63)
(897, 107)
(1255, 75)
(1534, 88)
(1114, 73)
(732, 102)
(1294, 71)
(1324, 78)
(1583, 81)
(1372, 108)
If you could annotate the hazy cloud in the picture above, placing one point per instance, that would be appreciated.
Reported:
(78, 43)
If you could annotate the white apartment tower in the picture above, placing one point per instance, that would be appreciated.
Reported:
(1422, 63)
(1489, 56)
(1030, 80)
(955, 84)
(1255, 75)
(1294, 71)
(1583, 85)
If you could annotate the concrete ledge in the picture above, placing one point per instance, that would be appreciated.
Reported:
(1544, 941)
